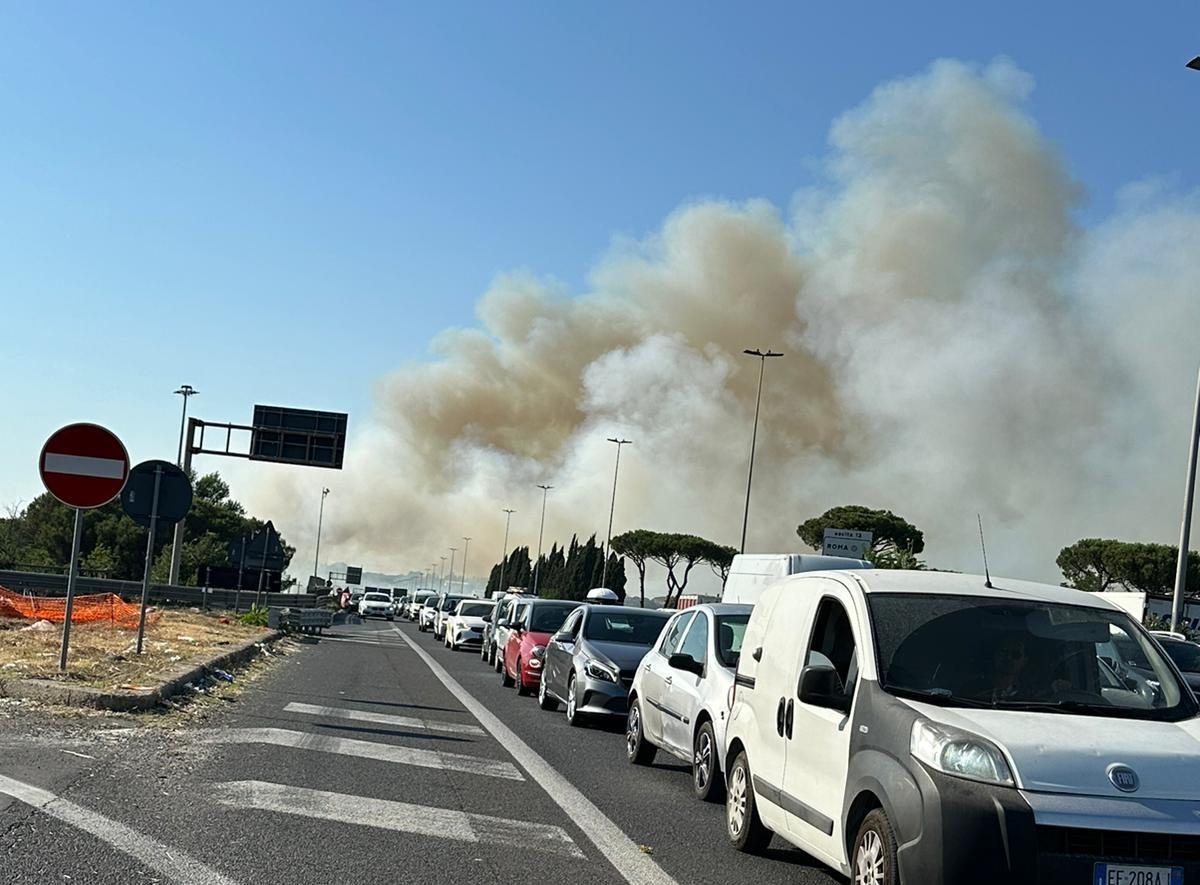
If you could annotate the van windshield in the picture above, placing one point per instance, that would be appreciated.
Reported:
(970, 651)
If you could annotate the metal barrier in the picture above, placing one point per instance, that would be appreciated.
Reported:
(303, 620)
(131, 591)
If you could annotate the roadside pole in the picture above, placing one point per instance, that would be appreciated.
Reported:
(177, 543)
(72, 577)
(237, 594)
(149, 556)
(1185, 530)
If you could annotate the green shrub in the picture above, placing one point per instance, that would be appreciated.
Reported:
(256, 617)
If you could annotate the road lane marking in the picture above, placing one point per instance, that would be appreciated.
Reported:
(385, 814)
(170, 862)
(634, 865)
(381, 718)
(327, 638)
(282, 737)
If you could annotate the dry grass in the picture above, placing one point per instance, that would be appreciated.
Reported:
(103, 656)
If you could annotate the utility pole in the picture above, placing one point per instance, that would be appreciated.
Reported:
(504, 548)
(1189, 486)
(612, 509)
(466, 547)
(186, 391)
(537, 562)
(320, 519)
(762, 356)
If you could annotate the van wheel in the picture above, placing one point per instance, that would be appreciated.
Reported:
(639, 750)
(544, 700)
(742, 823)
(707, 783)
(874, 859)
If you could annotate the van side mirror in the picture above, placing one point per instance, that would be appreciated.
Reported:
(503, 622)
(820, 686)
(686, 663)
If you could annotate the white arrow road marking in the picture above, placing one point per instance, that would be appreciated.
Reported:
(385, 814)
(631, 862)
(282, 737)
(170, 862)
(82, 465)
(381, 718)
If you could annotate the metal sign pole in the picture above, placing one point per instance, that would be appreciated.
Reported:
(177, 544)
(237, 595)
(72, 577)
(149, 556)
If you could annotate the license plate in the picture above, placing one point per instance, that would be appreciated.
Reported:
(1126, 874)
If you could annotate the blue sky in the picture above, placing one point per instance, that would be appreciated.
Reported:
(281, 202)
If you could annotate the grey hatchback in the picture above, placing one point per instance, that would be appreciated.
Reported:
(591, 661)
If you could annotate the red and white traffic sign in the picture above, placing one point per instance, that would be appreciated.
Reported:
(84, 465)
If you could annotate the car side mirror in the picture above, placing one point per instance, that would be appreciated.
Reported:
(686, 663)
(564, 637)
(820, 686)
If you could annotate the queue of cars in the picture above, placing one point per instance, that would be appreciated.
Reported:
(899, 727)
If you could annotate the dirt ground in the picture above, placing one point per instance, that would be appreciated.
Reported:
(103, 656)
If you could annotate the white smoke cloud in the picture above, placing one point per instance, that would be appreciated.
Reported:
(955, 343)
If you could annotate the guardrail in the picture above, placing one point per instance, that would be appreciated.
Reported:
(131, 591)
(304, 620)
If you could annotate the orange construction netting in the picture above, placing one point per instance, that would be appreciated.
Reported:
(92, 608)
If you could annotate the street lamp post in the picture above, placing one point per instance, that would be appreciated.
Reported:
(466, 548)
(612, 509)
(450, 577)
(186, 391)
(1185, 529)
(320, 519)
(541, 527)
(504, 548)
(762, 356)
(442, 576)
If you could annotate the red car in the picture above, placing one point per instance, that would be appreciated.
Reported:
(537, 621)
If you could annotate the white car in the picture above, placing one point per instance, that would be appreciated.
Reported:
(510, 613)
(426, 613)
(377, 605)
(464, 626)
(679, 700)
(924, 727)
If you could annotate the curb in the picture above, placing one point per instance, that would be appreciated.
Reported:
(171, 682)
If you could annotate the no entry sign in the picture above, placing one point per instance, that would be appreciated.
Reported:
(84, 465)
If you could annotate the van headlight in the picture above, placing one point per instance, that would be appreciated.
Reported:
(600, 670)
(959, 753)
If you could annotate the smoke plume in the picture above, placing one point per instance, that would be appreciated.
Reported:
(955, 343)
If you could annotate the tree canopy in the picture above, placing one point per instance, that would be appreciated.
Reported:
(892, 536)
(1097, 564)
(114, 546)
(563, 573)
(677, 553)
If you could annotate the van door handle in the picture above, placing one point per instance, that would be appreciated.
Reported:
(779, 716)
(789, 718)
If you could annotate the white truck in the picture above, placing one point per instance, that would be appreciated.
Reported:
(751, 573)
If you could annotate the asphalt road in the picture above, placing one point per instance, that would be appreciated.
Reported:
(360, 759)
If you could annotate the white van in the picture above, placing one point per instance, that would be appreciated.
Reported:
(751, 573)
(936, 728)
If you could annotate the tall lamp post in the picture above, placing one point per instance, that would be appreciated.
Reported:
(320, 519)
(450, 577)
(1185, 529)
(612, 509)
(186, 391)
(762, 357)
(466, 548)
(442, 576)
(504, 549)
(537, 562)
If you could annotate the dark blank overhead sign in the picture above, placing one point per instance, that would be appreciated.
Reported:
(298, 436)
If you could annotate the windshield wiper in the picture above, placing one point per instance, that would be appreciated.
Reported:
(941, 696)
(1055, 706)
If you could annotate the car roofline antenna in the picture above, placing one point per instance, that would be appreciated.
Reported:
(987, 577)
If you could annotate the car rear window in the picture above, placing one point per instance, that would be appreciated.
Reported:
(635, 627)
